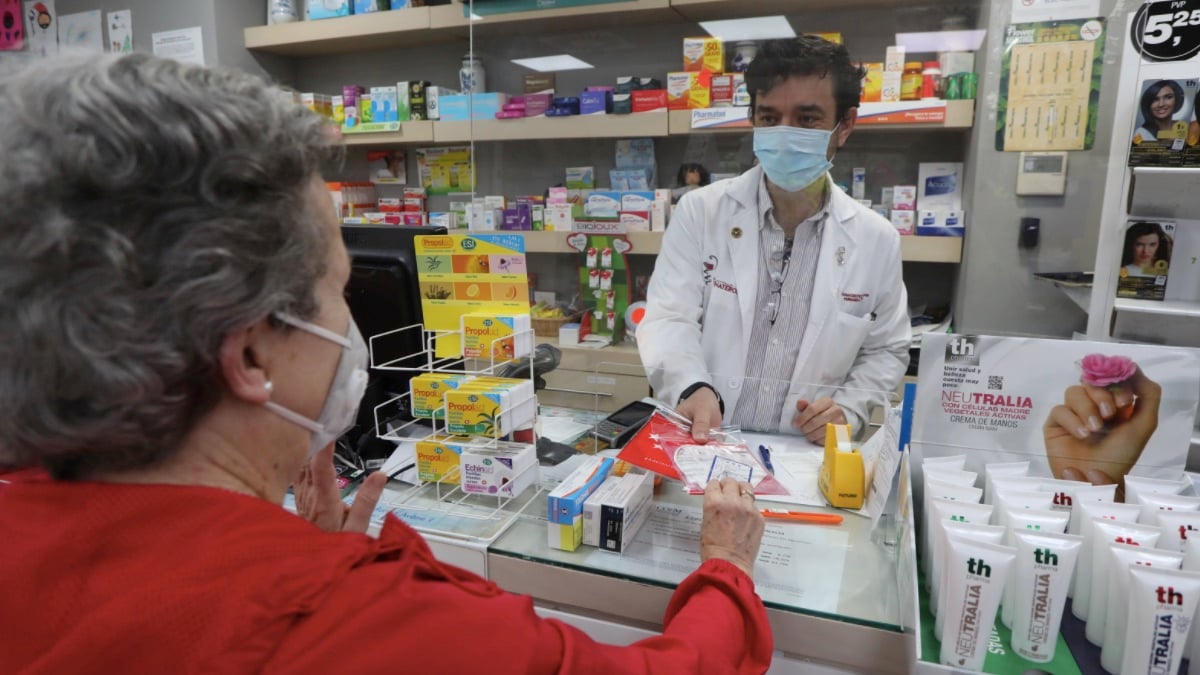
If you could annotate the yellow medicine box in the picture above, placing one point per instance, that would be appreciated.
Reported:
(703, 53)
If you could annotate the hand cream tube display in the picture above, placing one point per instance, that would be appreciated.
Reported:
(1092, 494)
(1162, 604)
(951, 476)
(1177, 527)
(935, 489)
(1122, 558)
(942, 512)
(1081, 585)
(1043, 571)
(994, 469)
(950, 461)
(1105, 534)
(1029, 520)
(1191, 563)
(1135, 486)
(1062, 489)
(975, 577)
(991, 534)
(1154, 502)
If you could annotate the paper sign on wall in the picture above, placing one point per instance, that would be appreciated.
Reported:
(185, 44)
(12, 29)
(81, 31)
(120, 32)
(41, 25)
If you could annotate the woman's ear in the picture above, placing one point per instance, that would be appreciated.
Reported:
(242, 359)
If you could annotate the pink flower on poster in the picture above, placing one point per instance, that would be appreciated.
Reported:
(1100, 370)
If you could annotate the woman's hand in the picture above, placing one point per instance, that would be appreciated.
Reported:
(1098, 434)
(319, 501)
(732, 528)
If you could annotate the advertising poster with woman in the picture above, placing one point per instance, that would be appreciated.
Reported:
(1076, 410)
(1146, 259)
(1166, 124)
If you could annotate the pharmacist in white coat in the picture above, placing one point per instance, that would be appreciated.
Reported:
(777, 301)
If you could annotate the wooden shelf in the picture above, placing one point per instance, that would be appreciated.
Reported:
(450, 19)
(644, 243)
(549, 128)
(931, 249)
(711, 10)
(959, 115)
(1164, 307)
(366, 32)
(912, 249)
(410, 132)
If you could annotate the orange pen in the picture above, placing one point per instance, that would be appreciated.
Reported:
(802, 516)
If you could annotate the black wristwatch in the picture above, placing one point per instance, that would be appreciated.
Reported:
(703, 385)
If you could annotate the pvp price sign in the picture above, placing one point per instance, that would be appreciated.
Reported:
(1167, 30)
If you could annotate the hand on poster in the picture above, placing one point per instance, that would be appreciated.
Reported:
(1099, 431)
(811, 418)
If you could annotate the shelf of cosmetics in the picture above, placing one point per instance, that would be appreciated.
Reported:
(1026, 543)
(549, 223)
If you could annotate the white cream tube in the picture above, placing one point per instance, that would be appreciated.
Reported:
(1162, 604)
(1089, 512)
(1043, 571)
(951, 461)
(1177, 528)
(991, 534)
(1154, 502)
(975, 577)
(1107, 533)
(1031, 520)
(993, 469)
(1085, 493)
(1020, 499)
(953, 476)
(1135, 486)
(935, 489)
(1123, 557)
(1191, 563)
(947, 510)
(1062, 489)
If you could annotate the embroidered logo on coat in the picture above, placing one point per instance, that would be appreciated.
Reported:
(854, 297)
(725, 286)
(708, 267)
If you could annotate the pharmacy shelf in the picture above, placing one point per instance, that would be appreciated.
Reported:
(931, 249)
(959, 115)
(1164, 307)
(366, 32)
(444, 23)
(410, 132)
(710, 10)
(912, 249)
(644, 243)
(550, 128)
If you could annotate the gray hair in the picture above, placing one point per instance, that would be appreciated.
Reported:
(151, 208)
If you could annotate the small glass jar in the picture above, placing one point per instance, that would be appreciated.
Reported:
(910, 81)
(281, 11)
(472, 78)
(931, 80)
(743, 54)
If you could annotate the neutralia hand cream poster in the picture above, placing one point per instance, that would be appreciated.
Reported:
(1086, 411)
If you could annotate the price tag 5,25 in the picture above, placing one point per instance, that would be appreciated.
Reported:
(1167, 30)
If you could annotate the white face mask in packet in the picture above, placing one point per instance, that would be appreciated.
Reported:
(345, 392)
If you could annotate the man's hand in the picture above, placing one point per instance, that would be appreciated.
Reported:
(319, 502)
(704, 411)
(1098, 434)
(811, 418)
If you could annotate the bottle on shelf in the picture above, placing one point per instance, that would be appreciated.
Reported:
(282, 11)
(743, 54)
(472, 78)
(931, 80)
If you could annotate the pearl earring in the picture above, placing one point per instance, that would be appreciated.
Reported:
(269, 386)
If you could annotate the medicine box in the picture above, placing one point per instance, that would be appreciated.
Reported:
(948, 224)
(635, 221)
(649, 100)
(327, 9)
(384, 106)
(688, 90)
(490, 407)
(506, 470)
(483, 106)
(903, 220)
(433, 100)
(720, 91)
(580, 178)
(368, 6)
(427, 391)
(564, 505)
(595, 102)
(904, 197)
(615, 512)
(498, 336)
(559, 218)
(538, 83)
(637, 200)
(602, 203)
(438, 459)
(704, 53)
(939, 186)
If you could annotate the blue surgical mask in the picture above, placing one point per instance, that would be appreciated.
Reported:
(792, 157)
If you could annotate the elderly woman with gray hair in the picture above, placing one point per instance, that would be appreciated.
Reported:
(177, 351)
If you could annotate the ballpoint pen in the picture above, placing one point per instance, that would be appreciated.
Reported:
(765, 453)
(802, 516)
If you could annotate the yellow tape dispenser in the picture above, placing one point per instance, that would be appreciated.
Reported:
(843, 478)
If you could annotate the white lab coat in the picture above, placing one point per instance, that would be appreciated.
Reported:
(701, 303)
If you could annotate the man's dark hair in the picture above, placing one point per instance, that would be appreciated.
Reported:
(778, 60)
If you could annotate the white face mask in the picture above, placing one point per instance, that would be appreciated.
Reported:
(345, 392)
